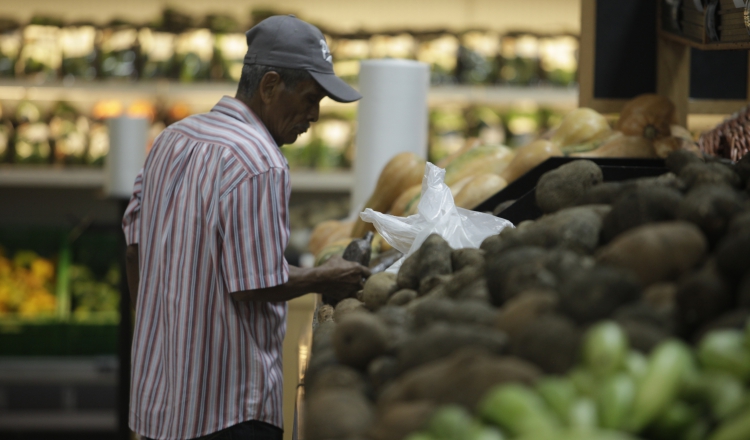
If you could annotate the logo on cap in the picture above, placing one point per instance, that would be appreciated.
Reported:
(326, 53)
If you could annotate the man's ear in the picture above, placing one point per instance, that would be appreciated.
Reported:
(270, 86)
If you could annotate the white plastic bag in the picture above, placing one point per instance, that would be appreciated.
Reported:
(436, 214)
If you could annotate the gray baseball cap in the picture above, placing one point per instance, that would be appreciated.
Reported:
(286, 41)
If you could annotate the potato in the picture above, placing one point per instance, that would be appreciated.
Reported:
(434, 258)
(740, 223)
(661, 295)
(742, 168)
(396, 422)
(320, 361)
(639, 206)
(432, 311)
(576, 228)
(711, 207)
(524, 309)
(337, 414)
(402, 297)
(359, 338)
(461, 258)
(733, 319)
(322, 336)
(592, 294)
(474, 291)
(604, 193)
(460, 280)
(677, 160)
(642, 336)
(336, 377)
(551, 342)
(462, 378)
(732, 255)
(325, 313)
(378, 288)
(666, 180)
(696, 174)
(440, 340)
(656, 252)
(430, 283)
(347, 306)
(407, 277)
(645, 313)
(381, 371)
(701, 297)
(559, 188)
(516, 270)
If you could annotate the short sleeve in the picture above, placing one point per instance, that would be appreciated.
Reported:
(255, 232)
(131, 221)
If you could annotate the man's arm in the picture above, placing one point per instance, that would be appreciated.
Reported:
(131, 267)
(337, 278)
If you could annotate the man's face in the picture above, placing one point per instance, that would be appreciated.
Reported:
(291, 111)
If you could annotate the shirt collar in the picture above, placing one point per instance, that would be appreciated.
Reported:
(236, 109)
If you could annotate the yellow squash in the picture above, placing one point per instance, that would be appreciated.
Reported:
(336, 248)
(402, 202)
(479, 189)
(529, 156)
(480, 160)
(327, 232)
(581, 129)
(403, 171)
(623, 146)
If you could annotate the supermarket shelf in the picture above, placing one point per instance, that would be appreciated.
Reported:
(47, 176)
(202, 96)
(82, 177)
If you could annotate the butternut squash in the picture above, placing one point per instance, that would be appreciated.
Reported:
(623, 146)
(335, 248)
(468, 145)
(480, 160)
(580, 129)
(404, 170)
(647, 115)
(399, 206)
(528, 157)
(485, 159)
(479, 189)
(327, 232)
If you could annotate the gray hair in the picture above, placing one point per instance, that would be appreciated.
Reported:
(253, 73)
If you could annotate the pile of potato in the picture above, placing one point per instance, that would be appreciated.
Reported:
(664, 258)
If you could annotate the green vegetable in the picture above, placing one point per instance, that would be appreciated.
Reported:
(724, 350)
(674, 422)
(736, 428)
(450, 422)
(724, 393)
(584, 381)
(659, 387)
(517, 409)
(481, 432)
(615, 401)
(636, 364)
(583, 415)
(420, 436)
(605, 348)
(559, 394)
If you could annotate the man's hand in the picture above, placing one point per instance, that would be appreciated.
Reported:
(340, 278)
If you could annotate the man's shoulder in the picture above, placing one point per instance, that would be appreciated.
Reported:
(239, 140)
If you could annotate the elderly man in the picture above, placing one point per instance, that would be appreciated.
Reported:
(206, 229)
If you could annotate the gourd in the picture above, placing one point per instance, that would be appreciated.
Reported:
(399, 206)
(479, 189)
(647, 115)
(404, 170)
(622, 146)
(327, 232)
(336, 248)
(581, 129)
(486, 159)
(529, 156)
(470, 143)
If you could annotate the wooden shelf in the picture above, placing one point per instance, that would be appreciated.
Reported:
(43, 176)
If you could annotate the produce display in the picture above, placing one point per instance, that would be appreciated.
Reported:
(477, 170)
(621, 313)
(186, 48)
(27, 285)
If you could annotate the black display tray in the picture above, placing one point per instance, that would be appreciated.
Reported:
(522, 190)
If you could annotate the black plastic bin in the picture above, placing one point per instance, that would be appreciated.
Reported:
(522, 190)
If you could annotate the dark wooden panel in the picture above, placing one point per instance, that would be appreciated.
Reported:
(718, 74)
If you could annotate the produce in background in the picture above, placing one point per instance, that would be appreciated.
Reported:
(404, 170)
(6, 136)
(193, 54)
(92, 298)
(520, 58)
(558, 59)
(556, 329)
(78, 52)
(648, 116)
(439, 51)
(11, 40)
(582, 129)
(528, 157)
(69, 132)
(26, 286)
(230, 47)
(119, 44)
(40, 57)
(347, 53)
(477, 58)
(447, 132)
(328, 232)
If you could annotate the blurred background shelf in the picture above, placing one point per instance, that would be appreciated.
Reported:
(202, 96)
(93, 178)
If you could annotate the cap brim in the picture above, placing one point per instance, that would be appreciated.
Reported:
(336, 88)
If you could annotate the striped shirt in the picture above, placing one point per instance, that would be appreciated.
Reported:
(209, 212)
